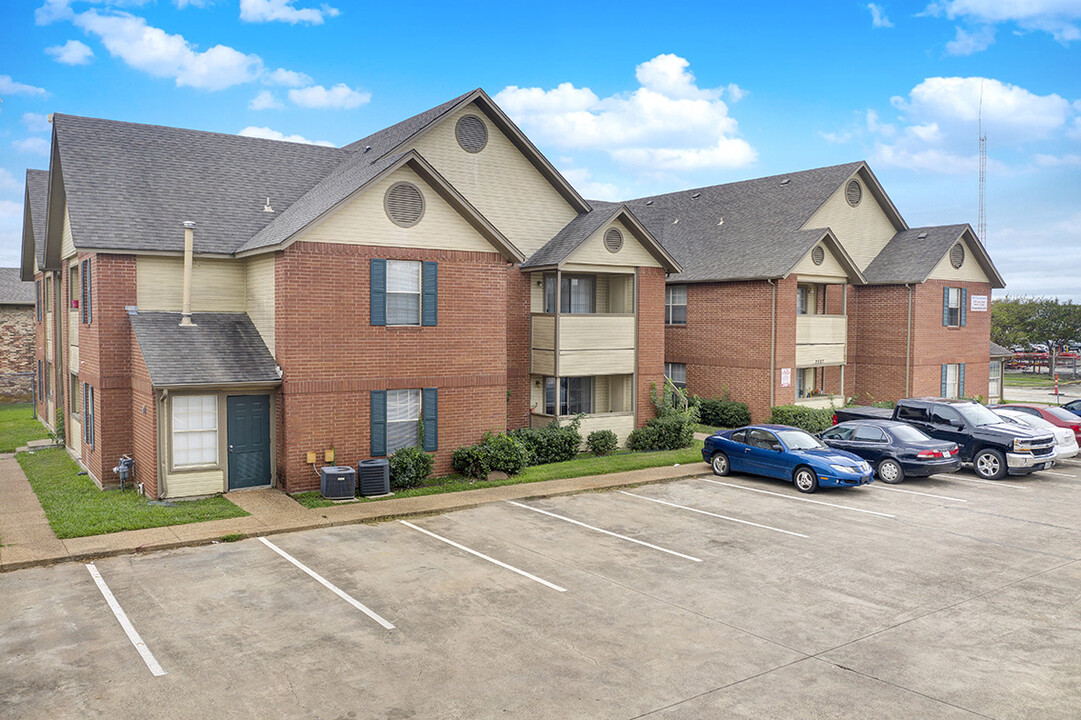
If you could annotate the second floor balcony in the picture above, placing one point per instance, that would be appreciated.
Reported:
(821, 340)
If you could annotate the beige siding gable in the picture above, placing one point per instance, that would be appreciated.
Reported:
(632, 254)
(260, 293)
(499, 181)
(862, 230)
(67, 241)
(830, 269)
(362, 220)
(970, 270)
(216, 285)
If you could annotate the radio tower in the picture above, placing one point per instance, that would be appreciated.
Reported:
(981, 223)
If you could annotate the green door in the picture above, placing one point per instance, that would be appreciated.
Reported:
(249, 440)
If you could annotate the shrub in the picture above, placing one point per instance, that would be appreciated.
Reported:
(722, 412)
(812, 420)
(505, 453)
(602, 442)
(552, 443)
(664, 433)
(472, 461)
(410, 467)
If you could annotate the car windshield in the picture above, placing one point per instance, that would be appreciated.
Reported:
(798, 440)
(977, 414)
(1064, 415)
(1037, 422)
(907, 433)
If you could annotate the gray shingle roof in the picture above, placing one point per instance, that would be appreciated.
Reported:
(385, 140)
(909, 258)
(129, 186)
(13, 291)
(37, 190)
(760, 235)
(223, 349)
(573, 234)
(999, 351)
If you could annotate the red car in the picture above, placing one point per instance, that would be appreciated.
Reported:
(1054, 415)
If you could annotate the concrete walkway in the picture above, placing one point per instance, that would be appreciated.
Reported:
(28, 540)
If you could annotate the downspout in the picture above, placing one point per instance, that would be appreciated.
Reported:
(189, 250)
(772, 345)
(908, 343)
(159, 433)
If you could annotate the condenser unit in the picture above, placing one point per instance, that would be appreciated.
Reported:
(338, 483)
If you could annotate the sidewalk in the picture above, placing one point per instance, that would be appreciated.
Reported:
(28, 540)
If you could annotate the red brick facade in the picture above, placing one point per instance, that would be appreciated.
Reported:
(650, 338)
(16, 352)
(518, 320)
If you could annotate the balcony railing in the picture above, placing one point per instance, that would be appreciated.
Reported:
(821, 340)
(597, 344)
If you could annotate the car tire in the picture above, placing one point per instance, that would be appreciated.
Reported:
(806, 479)
(719, 463)
(890, 471)
(989, 464)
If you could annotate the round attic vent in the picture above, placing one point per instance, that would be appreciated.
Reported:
(613, 240)
(957, 255)
(404, 204)
(472, 133)
(853, 193)
(818, 255)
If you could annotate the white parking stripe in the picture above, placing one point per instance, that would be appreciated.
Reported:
(985, 482)
(1051, 472)
(328, 585)
(914, 492)
(482, 556)
(133, 636)
(606, 532)
(722, 517)
(802, 499)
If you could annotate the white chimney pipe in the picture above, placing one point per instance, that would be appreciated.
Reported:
(189, 250)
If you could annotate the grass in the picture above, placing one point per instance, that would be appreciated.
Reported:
(581, 466)
(18, 426)
(76, 508)
(707, 429)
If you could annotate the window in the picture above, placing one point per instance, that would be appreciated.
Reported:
(762, 439)
(48, 380)
(805, 300)
(195, 430)
(953, 380)
(840, 432)
(994, 386)
(675, 305)
(805, 382)
(47, 294)
(88, 415)
(74, 286)
(677, 373)
(41, 381)
(739, 436)
(403, 292)
(37, 297)
(87, 313)
(869, 433)
(577, 294)
(575, 395)
(953, 306)
(403, 419)
(75, 395)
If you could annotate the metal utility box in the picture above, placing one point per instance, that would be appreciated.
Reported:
(374, 476)
(338, 483)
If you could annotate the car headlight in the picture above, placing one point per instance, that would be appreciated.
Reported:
(1022, 445)
(846, 469)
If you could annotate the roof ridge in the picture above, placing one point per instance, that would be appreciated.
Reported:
(436, 112)
(748, 180)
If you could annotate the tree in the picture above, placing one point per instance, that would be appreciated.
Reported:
(1031, 320)
(1011, 321)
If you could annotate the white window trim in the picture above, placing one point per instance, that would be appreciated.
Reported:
(189, 467)
(414, 420)
(419, 292)
(953, 385)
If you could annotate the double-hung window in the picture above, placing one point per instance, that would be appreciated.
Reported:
(677, 373)
(953, 380)
(76, 396)
(953, 306)
(86, 312)
(88, 414)
(994, 386)
(403, 419)
(675, 305)
(195, 430)
(403, 292)
(74, 286)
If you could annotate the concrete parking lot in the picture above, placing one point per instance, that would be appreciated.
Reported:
(710, 597)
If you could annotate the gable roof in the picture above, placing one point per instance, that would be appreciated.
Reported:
(912, 255)
(34, 202)
(997, 351)
(221, 349)
(743, 230)
(13, 290)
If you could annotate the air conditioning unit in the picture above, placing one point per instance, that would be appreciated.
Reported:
(374, 477)
(338, 483)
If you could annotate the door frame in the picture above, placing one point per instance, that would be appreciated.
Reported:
(272, 430)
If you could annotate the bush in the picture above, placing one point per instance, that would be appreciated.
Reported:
(812, 420)
(472, 461)
(602, 442)
(505, 453)
(664, 433)
(552, 443)
(410, 467)
(722, 412)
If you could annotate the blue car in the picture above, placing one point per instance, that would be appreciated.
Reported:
(785, 453)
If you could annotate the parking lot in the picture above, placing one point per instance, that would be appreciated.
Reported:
(707, 597)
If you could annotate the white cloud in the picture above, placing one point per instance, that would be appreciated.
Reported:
(583, 181)
(836, 138)
(269, 134)
(878, 16)
(1059, 18)
(54, 10)
(1056, 160)
(668, 123)
(10, 87)
(32, 146)
(265, 101)
(283, 11)
(7, 182)
(72, 52)
(181, 4)
(967, 43)
(874, 126)
(287, 78)
(37, 123)
(341, 97)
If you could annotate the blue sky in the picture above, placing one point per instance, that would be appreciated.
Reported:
(624, 98)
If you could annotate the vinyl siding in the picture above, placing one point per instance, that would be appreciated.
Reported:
(67, 242)
(970, 270)
(632, 254)
(829, 271)
(191, 484)
(260, 296)
(863, 230)
(216, 285)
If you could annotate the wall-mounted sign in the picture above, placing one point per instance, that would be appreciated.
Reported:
(786, 377)
(978, 304)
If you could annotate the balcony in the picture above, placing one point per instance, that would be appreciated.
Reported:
(821, 340)
(593, 344)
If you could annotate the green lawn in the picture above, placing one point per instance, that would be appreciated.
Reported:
(18, 425)
(76, 508)
(579, 467)
(707, 429)
(1035, 380)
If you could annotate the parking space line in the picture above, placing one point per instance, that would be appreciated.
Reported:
(802, 499)
(722, 517)
(328, 585)
(915, 492)
(129, 629)
(1059, 474)
(482, 556)
(985, 482)
(606, 532)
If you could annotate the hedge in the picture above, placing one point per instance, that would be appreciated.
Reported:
(720, 412)
(812, 420)
(664, 433)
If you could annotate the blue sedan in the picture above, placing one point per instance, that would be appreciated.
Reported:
(786, 453)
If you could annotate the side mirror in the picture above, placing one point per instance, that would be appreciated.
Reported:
(776, 446)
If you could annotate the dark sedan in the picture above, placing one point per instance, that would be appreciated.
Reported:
(895, 449)
(1074, 406)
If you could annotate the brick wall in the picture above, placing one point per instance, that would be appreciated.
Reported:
(332, 358)
(17, 336)
(933, 344)
(651, 334)
(877, 337)
(518, 356)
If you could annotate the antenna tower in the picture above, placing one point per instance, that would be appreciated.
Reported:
(981, 223)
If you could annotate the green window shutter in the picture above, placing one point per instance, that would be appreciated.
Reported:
(945, 306)
(86, 417)
(379, 298)
(379, 423)
(430, 290)
(430, 413)
(89, 293)
(942, 391)
(964, 307)
(961, 380)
